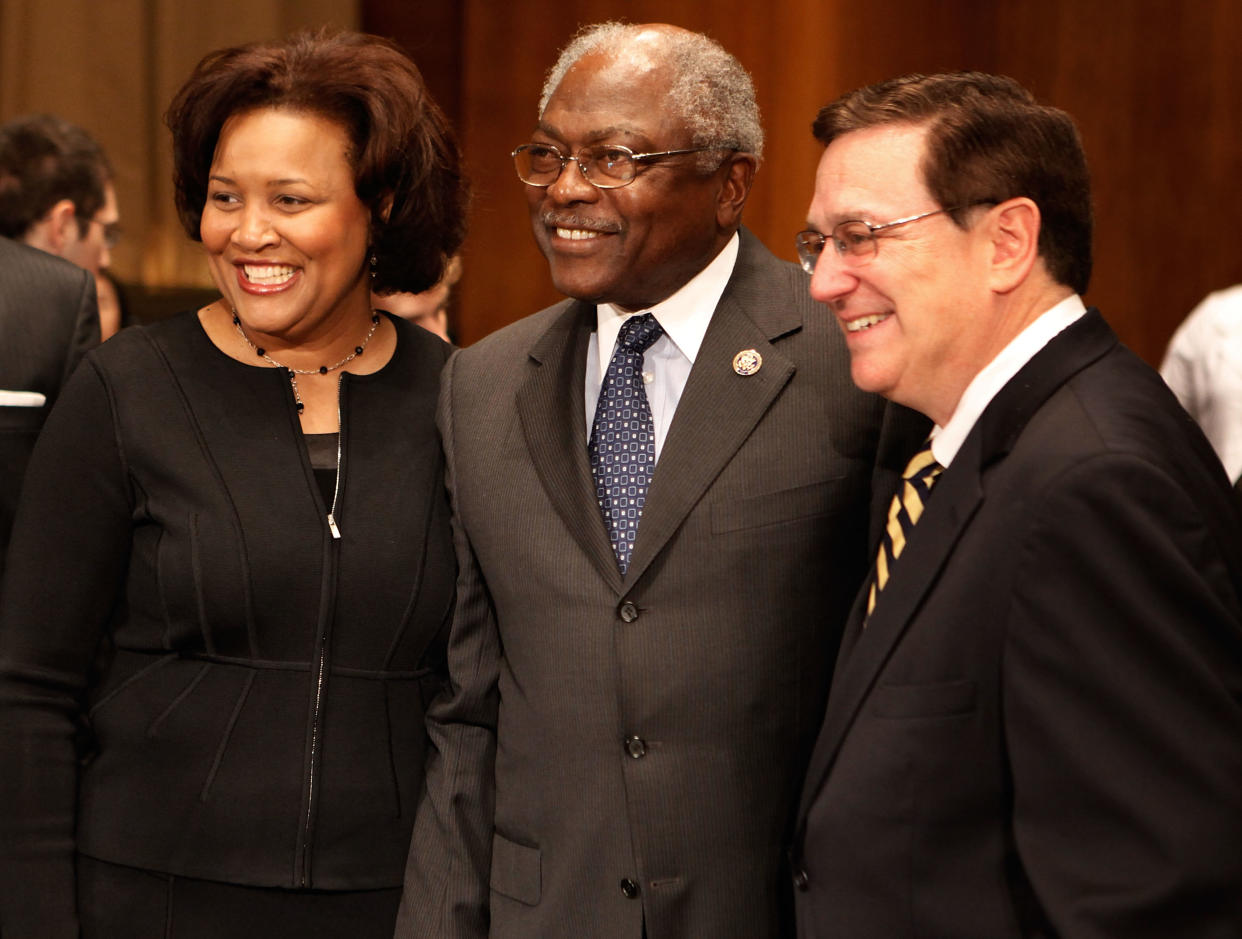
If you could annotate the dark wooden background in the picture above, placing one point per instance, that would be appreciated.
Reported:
(1155, 86)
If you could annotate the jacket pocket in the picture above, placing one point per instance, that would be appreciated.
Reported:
(930, 699)
(21, 419)
(515, 870)
(785, 505)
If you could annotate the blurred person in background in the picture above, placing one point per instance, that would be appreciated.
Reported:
(56, 191)
(232, 563)
(47, 323)
(429, 309)
(56, 195)
(112, 313)
(1203, 366)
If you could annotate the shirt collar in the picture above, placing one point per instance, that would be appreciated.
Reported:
(947, 440)
(684, 316)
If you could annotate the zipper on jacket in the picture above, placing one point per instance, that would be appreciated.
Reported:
(336, 487)
(321, 668)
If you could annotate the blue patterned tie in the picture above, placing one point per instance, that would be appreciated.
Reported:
(622, 444)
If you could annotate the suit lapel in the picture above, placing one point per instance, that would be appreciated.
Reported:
(551, 405)
(1080, 344)
(955, 499)
(701, 441)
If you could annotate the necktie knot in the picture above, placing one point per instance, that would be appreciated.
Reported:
(922, 467)
(639, 332)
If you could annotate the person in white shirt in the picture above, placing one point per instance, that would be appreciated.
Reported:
(1203, 366)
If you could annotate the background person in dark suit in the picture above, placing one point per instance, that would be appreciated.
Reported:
(56, 194)
(627, 724)
(1037, 731)
(48, 321)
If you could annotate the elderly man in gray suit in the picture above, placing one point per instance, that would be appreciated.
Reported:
(661, 492)
(48, 321)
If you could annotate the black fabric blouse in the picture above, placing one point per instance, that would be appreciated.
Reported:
(196, 677)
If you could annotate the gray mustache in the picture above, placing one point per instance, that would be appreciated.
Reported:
(555, 220)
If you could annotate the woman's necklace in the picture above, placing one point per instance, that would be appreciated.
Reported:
(295, 372)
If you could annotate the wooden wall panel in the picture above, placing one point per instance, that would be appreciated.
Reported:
(1155, 86)
(432, 34)
(113, 67)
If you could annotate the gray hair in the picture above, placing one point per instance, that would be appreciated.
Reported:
(710, 90)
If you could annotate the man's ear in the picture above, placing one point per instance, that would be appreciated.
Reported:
(739, 172)
(1013, 231)
(57, 228)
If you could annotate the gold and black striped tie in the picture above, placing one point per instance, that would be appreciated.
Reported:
(903, 515)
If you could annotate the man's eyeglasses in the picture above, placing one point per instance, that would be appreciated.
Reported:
(855, 241)
(604, 166)
(111, 231)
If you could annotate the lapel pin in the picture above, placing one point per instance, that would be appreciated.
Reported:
(747, 362)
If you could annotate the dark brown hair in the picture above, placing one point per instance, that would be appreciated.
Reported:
(44, 159)
(401, 147)
(988, 140)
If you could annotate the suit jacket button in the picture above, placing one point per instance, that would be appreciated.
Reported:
(636, 747)
(629, 888)
(801, 880)
(628, 612)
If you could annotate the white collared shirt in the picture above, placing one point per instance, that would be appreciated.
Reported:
(947, 440)
(1203, 366)
(666, 365)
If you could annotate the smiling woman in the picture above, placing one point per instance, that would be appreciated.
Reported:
(213, 706)
(286, 238)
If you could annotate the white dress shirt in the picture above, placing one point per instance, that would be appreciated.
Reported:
(666, 365)
(947, 440)
(1204, 368)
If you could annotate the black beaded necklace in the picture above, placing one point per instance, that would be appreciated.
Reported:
(295, 372)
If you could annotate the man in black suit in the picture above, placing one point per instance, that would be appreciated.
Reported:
(1037, 728)
(56, 194)
(629, 717)
(56, 191)
(48, 321)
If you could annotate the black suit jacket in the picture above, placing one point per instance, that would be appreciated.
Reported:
(1039, 731)
(642, 739)
(48, 321)
(249, 688)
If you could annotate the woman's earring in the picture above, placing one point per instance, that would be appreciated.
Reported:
(374, 261)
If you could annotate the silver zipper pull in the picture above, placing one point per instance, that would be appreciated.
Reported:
(336, 532)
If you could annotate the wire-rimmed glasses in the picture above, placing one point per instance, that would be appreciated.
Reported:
(604, 166)
(111, 231)
(855, 241)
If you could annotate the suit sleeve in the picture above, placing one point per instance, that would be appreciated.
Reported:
(66, 562)
(1123, 707)
(447, 872)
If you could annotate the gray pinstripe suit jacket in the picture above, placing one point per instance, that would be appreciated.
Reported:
(640, 741)
(48, 321)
